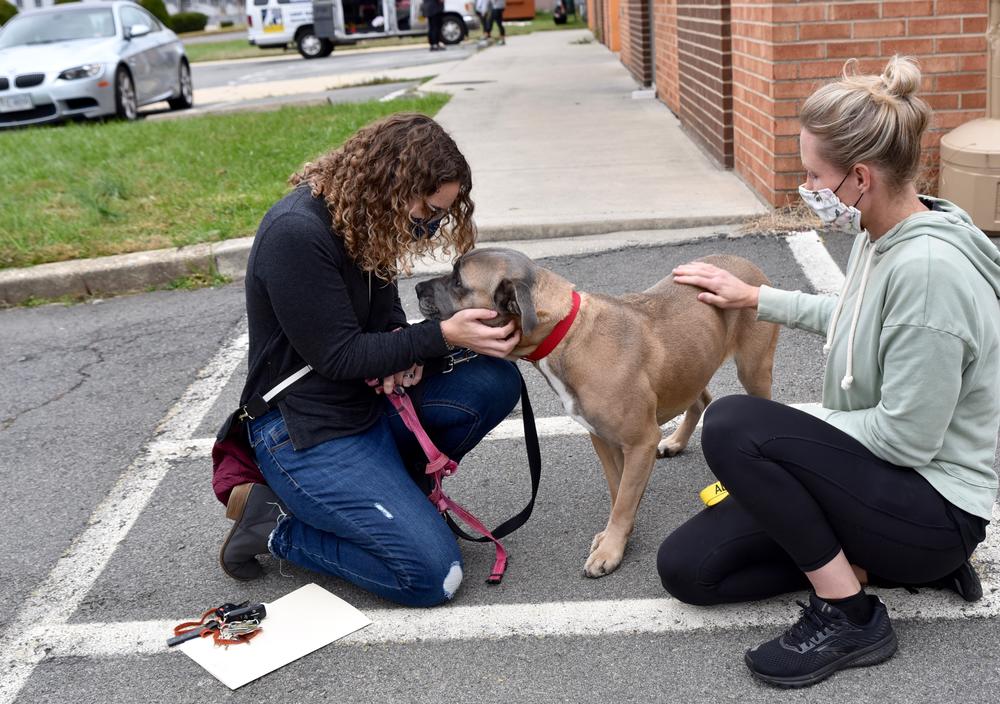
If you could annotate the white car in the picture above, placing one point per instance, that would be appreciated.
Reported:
(88, 59)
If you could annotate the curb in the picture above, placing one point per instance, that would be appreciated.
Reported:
(122, 273)
(140, 271)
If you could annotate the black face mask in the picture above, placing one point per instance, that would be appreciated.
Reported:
(424, 228)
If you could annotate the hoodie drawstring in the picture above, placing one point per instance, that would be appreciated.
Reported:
(835, 318)
(848, 379)
(869, 254)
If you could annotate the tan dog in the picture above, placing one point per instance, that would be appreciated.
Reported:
(624, 367)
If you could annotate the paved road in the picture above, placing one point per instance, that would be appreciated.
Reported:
(238, 73)
(85, 393)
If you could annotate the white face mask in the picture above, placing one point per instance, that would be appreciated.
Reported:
(832, 212)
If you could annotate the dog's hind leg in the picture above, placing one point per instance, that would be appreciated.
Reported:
(676, 442)
(754, 356)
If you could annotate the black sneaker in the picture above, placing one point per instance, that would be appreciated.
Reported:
(965, 581)
(822, 642)
(255, 510)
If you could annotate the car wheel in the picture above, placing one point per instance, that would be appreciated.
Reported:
(126, 104)
(452, 29)
(311, 46)
(185, 89)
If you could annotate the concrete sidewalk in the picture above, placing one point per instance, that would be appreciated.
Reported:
(558, 145)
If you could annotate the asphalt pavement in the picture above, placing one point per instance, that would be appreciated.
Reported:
(111, 531)
(214, 74)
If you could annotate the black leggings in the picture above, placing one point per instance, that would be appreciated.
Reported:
(496, 18)
(434, 23)
(800, 491)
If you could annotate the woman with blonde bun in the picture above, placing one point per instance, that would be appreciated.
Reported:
(893, 475)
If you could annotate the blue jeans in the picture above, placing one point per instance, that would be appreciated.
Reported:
(355, 510)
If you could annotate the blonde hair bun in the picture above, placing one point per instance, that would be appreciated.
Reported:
(878, 119)
(901, 77)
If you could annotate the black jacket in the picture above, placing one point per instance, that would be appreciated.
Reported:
(309, 303)
(432, 8)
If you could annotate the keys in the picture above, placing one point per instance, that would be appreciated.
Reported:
(238, 630)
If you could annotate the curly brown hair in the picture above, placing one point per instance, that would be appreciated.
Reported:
(369, 182)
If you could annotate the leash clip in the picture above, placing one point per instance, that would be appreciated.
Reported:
(458, 357)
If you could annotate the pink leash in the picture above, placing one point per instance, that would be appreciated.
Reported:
(439, 465)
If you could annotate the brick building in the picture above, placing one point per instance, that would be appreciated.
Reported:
(735, 72)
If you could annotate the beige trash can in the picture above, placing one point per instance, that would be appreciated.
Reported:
(970, 153)
(970, 171)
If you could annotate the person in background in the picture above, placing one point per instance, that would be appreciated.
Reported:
(497, 16)
(892, 480)
(559, 13)
(433, 10)
(483, 11)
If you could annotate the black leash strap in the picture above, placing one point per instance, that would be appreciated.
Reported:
(534, 467)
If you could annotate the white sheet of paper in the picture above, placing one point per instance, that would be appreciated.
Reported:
(295, 625)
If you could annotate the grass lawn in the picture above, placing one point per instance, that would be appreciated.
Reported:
(542, 23)
(86, 190)
(218, 30)
(229, 49)
(240, 49)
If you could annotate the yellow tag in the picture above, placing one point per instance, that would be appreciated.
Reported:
(713, 494)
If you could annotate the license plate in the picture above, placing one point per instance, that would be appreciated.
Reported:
(12, 103)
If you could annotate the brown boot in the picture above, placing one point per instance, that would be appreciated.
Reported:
(254, 510)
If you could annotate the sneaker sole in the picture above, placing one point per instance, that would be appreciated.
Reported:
(234, 512)
(872, 655)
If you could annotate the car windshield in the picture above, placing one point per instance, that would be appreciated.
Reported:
(51, 27)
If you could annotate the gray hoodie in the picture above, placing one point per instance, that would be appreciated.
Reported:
(914, 350)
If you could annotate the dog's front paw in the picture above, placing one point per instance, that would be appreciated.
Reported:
(604, 557)
(596, 542)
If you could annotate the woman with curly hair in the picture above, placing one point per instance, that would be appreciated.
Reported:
(321, 289)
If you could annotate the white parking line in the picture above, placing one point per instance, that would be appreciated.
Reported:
(510, 429)
(816, 262)
(56, 599)
(497, 621)
(40, 627)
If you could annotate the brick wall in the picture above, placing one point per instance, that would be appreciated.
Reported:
(630, 36)
(771, 54)
(705, 74)
(595, 18)
(636, 41)
(665, 53)
(783, 51)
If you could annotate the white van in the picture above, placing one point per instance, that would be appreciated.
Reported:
(316, 27)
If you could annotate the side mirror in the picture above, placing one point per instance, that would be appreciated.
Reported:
(137, 30)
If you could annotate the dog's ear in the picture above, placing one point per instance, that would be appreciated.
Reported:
(514, 297)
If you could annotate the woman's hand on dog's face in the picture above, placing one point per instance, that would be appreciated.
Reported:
(466, 329)
(722, 289)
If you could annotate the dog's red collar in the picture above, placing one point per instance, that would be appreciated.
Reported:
(557, 334)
